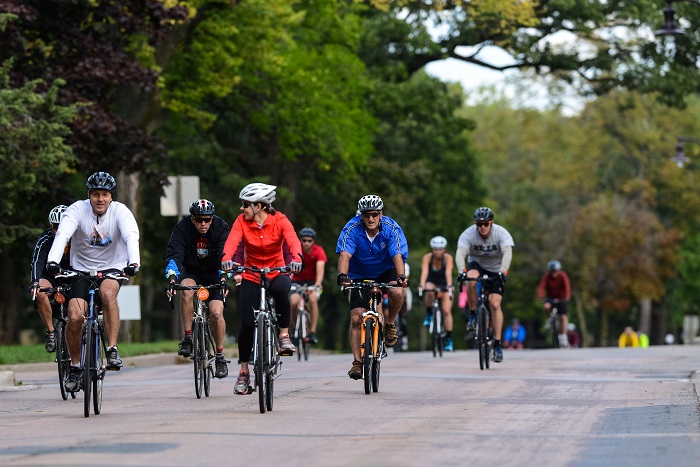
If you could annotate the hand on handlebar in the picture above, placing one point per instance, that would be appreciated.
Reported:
(402, 280)
(131, 270)
(295, 266)
(53, 267)
(343, 279)
(227, 265)
(462, 276)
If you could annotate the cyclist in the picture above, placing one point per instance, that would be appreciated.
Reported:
(104, 237)
(39, 277)
(436, 271)
(312, 275)
(193, 256)
(490, 250)
(555, 285)
(371, 246)
(263, 230)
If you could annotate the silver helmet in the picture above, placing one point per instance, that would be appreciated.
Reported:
(258, 193)
(370, 203)
(56, 214)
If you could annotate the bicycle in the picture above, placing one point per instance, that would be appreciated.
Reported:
(203, 346)
(301, 329)
(58, 299)
(266, 357)
(553, 323)
(372, 348)
(437, 325)
(484, 330)
(93, 348)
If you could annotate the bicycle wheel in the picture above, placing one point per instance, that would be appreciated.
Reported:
(62, 358)
(298, 333)
(260, 366)
(368, 358)
(196, 358)
(481, 335)
(99, 375)
(209, 356)
(489, 337)
(437, 312)
(555, 331)
(271, 346)
(88, 363)
(305, 336)
(377, 363)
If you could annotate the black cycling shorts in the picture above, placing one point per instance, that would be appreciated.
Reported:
(81, 285)
(497, 287)
(205, 279)
(359, 298)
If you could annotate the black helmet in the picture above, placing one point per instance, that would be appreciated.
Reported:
(307, 232)
(483, 214)
(101, 181)
(202, 207)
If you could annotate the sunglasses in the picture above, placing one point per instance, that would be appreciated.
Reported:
(205, 220)
(245, 204)
(482, 224)
(367, 215)
(307, 240)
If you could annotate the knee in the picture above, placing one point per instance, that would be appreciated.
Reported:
(355, 320)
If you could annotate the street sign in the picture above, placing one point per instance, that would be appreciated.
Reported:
(182, 191)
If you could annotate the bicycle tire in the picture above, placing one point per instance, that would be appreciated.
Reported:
(437, 312)
(271, 345)
(260, 370)
(196, 343)
(62, 358)
(489, 339)
(368, 355)
(98, 379)
(88, 362)
(305, 338)
(481, 335)
(376, 363)
(298, 332)
(555, 331)
(209, 354)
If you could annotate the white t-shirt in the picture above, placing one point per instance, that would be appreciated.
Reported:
(108, 242)
(485, 251)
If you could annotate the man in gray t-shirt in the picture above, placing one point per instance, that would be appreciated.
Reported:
(490, 249)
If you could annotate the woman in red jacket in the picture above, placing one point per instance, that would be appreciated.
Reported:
(262, 230)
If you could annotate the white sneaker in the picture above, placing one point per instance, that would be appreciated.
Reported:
(563, 341)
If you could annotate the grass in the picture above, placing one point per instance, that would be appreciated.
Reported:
(15, 354)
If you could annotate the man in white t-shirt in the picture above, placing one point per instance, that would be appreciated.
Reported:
(490, 250)
(104, 237)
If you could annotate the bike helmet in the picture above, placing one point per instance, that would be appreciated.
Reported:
(56, 214)
(258, 193)
(483, 214)
(438, 242)
(101, 181)
(554, 265)
(307, 232)
(370, 203)
(202, 207)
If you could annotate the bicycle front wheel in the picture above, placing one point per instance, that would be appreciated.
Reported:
(261, 372)
(99, 374)
(368, 360)
(481, 334)
(208, 358)
(62, 358)
(305, 337)
(88, 363)
(298, 332)
(197, 345)
(437, 331)
(271, 346)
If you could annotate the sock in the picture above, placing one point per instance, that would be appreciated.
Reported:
(448, 334)
(472, 312)
(497, 342)
(429, 310)
(188, 334)
(112, 347)
(220, 352)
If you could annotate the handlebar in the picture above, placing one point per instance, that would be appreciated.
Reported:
(483, 278)
(298, 288)
(223, 285)
(260, 271)
(370, 285)
(438, 289)
(68, 273)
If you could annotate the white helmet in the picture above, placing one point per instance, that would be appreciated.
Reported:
(438, 242)
(258, 193)
(370, 203)
(56, 214)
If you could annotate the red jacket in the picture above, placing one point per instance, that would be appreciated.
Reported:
(554, 287)
(263, 245)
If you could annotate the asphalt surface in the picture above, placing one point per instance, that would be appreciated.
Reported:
(582, 407)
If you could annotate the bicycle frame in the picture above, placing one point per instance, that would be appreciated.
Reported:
(437, 324)
(303, 320)
(484, 334)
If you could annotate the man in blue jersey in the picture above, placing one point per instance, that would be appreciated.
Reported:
(371, 246)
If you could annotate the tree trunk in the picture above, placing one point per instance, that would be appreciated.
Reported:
(585, 337)
(645, 315)
(128, 189)
(8, 306)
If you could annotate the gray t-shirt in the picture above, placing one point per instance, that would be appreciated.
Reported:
(485, 251)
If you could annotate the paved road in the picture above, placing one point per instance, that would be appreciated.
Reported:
(584, 407)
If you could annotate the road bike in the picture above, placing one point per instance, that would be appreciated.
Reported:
(484, 329)
(203, 345)
(93, 346)
(301, 328)
(372, 348)
(266, 357)
(437, 325)
(58, 297)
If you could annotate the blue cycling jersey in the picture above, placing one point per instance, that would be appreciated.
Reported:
(371, 258)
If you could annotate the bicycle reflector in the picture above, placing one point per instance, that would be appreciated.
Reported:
(202, 293)
(60, 298)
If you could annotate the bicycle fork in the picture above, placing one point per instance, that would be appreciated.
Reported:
(369, 321)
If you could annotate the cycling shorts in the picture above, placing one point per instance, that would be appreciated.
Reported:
(497, 287)
(359, 298)
(561, 306)
(209, 278)
(81, 285)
